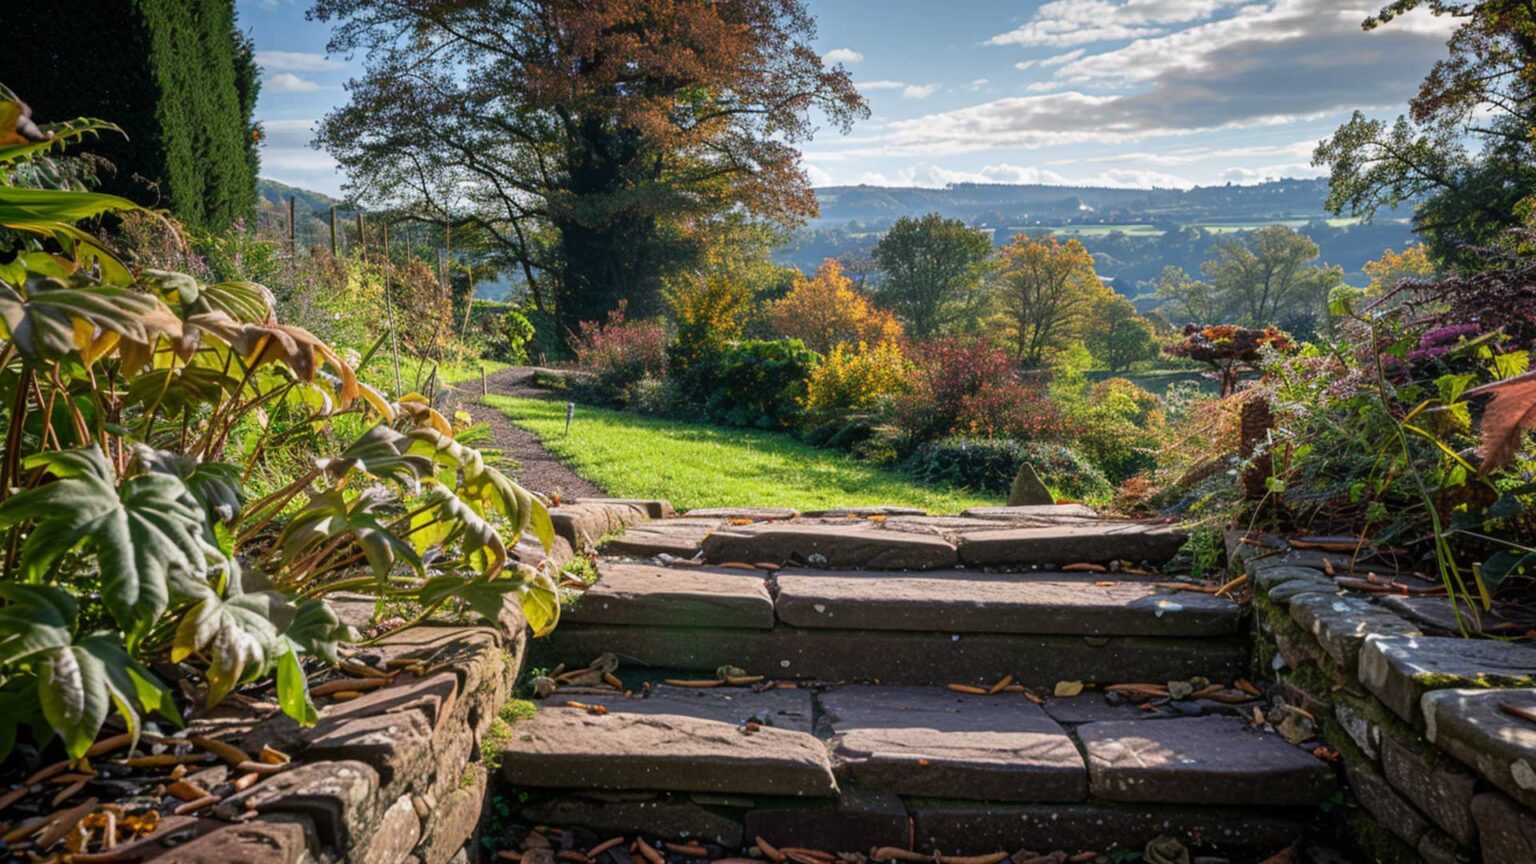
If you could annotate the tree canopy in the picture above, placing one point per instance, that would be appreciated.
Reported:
(931, 269)
(1464, 156)
(1048, 289)
(584, 135)
(1269, 277)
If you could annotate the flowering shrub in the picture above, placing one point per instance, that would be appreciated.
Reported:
(970, 387)
(618, 353)
(855, 380)
(1228, 348)
(825, 311)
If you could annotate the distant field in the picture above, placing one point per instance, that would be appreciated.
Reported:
(1146, 230)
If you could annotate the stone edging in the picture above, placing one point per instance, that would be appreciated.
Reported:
(1368, 676)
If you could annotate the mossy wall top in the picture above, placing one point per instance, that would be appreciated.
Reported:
(177, 75)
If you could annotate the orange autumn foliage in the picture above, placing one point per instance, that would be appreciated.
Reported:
(824, 311)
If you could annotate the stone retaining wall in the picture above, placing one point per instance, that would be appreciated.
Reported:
(1438, 772)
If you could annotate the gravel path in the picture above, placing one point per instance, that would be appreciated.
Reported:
(542, 471)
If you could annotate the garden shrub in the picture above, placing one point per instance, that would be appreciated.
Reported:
(852, 381)
(618, 353)
(1120, 428)
(969, 387)
(755, 383)
(990, 464)
(507, 336)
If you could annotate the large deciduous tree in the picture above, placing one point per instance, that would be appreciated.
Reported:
(1117, 335)
(1268, 277)
(1465, 155)
(1048, 288)
(931, 269)
(586, 136)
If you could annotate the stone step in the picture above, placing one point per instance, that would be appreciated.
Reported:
(674, 740)
(682, 537)
(1093, 542)
(856, 766)
(897, 657)
(648, 595)
(967, 601)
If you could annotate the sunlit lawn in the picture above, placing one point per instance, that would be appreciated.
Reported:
(696, 465)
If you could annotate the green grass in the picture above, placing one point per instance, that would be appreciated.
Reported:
(695, 465)
(416, 372)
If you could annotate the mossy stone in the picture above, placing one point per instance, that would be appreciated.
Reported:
(1028, 489)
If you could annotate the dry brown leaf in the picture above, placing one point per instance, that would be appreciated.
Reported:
(1509, 414)
(1065, 689)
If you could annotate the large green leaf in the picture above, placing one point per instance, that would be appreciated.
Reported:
(215, 485)
(293, 690)
(241, 637)
(451, 520)
(21, 207)
(145, 535)
(49, 317)
(16, 148)
(72, 687)
(35, 618)
(329, 515)
(384, 453)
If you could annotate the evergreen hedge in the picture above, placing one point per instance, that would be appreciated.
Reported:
(177, 75)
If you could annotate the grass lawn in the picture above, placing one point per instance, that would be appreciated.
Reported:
(695, 465)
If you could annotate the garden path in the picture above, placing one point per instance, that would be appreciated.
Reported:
(542, 471)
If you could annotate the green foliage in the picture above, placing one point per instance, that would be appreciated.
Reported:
(508, 333)
(931, 274)
(1120, 427)
(183, 86)
(697, 465)
(1118, 336)
(755, 383)
(989, 465)
(133, 539)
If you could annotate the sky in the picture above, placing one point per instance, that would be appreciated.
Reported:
(1133, 93)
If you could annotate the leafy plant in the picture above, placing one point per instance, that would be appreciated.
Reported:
(989, 465)
(129, 534)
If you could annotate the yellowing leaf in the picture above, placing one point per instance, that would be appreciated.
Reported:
(1068, 688)
(1509, 414)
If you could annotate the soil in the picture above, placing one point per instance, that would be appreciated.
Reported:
(541, 471)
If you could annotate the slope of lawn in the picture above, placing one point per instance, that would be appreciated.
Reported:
(696, 465)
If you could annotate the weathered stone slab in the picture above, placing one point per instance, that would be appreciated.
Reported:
(272, 840)
(978, 828)
(857, 819)
(903, 658)
(1092, 708)
(1437, 786)
(653, 508)
(671, 744)
(1269, 577)
(864, 512)
(960, 601)
(1436, 614)
(664, 817)
(682, 537)
(1100, 542)
(1316, 559)
(857, 545)
(1505, 830)
(782, 709)
(1038, 512)
(756, 514)
(643, 594)
(934, 743)
(1341, 625)
(335, 796)
(1200, 760)
(583, 525)
(1385, 804)
(1399, 670)
(1469, 725)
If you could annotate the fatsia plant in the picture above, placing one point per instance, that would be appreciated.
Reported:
(132, 549)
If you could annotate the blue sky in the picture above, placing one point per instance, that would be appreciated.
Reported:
(1113, 92)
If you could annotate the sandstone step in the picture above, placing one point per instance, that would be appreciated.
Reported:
(1200, 760)
(900, 658)
(682, 537)
(675, 740)
(1093, 542)
(1044, 512)
(583, 524)
(653, 508)
(862, 545)
(644, 594)
(927, 741)
(963, 601)
(754, 514)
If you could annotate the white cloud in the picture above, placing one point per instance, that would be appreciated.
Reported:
(978, 84)
(817, 176)
(1270, 64)
(296, 61)
(287, 82)
(842, 55)
(285, 147)
(880, 85)
(1081, 22)
(929, 175)
(919, 91)
(1058, 60)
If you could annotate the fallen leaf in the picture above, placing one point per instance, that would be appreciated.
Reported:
(1068, 688)
(1511, 412)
